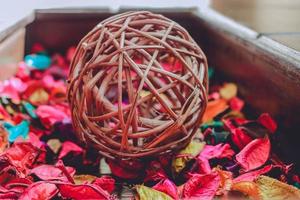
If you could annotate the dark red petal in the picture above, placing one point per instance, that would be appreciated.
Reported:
(240, 138)
(126, 169)
(155, 172)
(266, 120)
(86, 191)
(106, 183)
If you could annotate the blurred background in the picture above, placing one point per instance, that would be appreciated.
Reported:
(277, 19)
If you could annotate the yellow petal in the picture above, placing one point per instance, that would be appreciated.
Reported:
(81, 179)
(248, 188)
(270, 188)
(54, 145)
(3, 139)
(228, 91)
(146, 193)
(226, 181)
(39, 96)
(193, 149)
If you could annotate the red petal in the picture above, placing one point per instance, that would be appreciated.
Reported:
(3, 113)
(240, 138)
(22, 155)
(255, 154)
(86, 191)
(236, 104)
(18, 185)
(68, 147)
(202, 186)
(168, 187)
(266, 120)
(126, 169)
(7, 194)
(7, 173)
(155, 172)
(50, 172)
(251, 176)
(33, 139)
(39, 191)
(106, 183)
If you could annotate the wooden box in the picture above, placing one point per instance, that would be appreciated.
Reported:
(267, 73)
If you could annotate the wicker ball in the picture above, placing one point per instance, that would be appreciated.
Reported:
(137, 86)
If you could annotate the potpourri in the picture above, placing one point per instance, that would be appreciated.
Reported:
(40, 157)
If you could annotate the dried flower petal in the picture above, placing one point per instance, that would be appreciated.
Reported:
(266, 120)
(126, 169)
(85, 191)
(236, 104)
(270, 188)
(145, 193)
(254, 154)
(250, 189)
(3, 139)
(20, 130)
(225, 181)
(30, 109)
(22, 155)
(251, 176)
(50, 172)
(186, 154)
(168, 187)
(54, 145)
(213, 109)
(39, 191)
(49, 115)
(240, 138)
(68, 147)
(83, 179)
(155, 172)
(106, 183)
(228, 91)
(4, 115)
(201, 186)
(217, 151)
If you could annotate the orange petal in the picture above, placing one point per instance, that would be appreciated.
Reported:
(248, 188)
(214, 108)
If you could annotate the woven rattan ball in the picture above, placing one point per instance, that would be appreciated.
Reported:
(137, 86)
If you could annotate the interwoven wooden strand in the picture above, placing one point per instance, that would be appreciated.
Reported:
(137, 86)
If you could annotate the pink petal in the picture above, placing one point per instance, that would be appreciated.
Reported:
(255, 154)
(68, 147)
(168, 187)
(201, 186)
(251, 176)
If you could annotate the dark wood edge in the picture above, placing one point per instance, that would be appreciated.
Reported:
(255, 41)
(23, 22)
